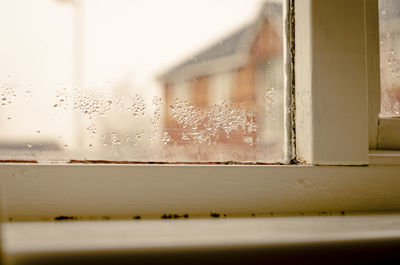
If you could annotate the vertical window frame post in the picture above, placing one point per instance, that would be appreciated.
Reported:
(331, 83)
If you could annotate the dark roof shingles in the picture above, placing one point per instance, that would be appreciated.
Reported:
(226, 47)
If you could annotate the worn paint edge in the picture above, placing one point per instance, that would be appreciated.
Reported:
(292, 86)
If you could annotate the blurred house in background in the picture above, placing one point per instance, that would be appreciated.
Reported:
(243, 70)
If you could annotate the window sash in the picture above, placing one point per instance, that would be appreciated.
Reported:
(45, 192)
(383, 132)
(326, 134)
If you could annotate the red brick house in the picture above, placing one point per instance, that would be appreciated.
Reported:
(235, 71)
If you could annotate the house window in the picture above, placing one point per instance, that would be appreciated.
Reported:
(221, 88)
(144, 81)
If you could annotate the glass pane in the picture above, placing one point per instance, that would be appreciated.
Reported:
(389, 27)
(143, 80)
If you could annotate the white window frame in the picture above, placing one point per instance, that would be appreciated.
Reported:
(388, 133)
(384, 132)
(335, 68)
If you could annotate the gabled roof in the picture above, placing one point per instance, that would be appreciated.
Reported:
(229, 46)
(235, 45)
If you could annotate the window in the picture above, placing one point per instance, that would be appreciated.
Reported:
(389, 124)
(144, 81)
(390, 75)
(331, 126)
(333, 72)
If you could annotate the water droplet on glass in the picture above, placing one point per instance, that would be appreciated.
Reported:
(166, 138)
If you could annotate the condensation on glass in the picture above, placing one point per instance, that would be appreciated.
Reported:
(389, 27)
(143, 80)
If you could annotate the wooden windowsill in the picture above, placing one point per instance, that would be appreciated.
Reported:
(384, 157)
(94, 241)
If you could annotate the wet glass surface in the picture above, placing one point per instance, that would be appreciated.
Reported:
(142, 80)
(389, 27)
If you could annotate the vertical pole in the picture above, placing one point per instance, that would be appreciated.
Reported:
(79, 42)
(78, 69)
(78, 79)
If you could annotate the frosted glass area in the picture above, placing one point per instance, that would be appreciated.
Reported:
(389, 27)
(142, 81)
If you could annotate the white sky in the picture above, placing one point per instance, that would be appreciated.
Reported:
(121, 36)
(133, 39)
(144, 37)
